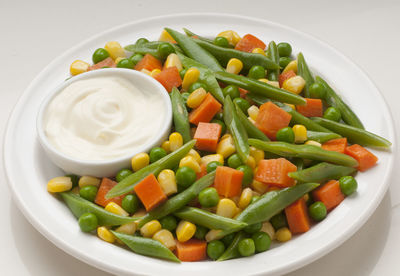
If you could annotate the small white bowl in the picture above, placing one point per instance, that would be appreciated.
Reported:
(104, 168)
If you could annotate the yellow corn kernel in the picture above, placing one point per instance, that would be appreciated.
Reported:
(78, 67)
(251, 120)
(234, 66)
(263, 80)
(237, 212)
(195, 155)
(191, 76)
(251, 162)
(300, 133)
(104, 234)
(292, 106)
(258, 51)
(166, 238)
(150, 228)
(283, 234)
(196, 97)
(166, 37)
(269, 229)
(212, 235)
(166, 146)
(128, 228)
(212, 157)
(225, 136)
(88, 181)
(139, 213)
(189, 161)
(115, 50)
(253, 112)
(139, 161)
(147, 72)
(291, 66)
(175, 141)
(257, 154)
(245, 198)
(185, 230)
(226, 208)
(313, 143)
(173, 60)
(259, 186)
(226, 147)
(114, 208)
(59, 184)
(232, 36)
(155, 72)
(167, 181)
(118, 59)
(294, 84)
(274, 83)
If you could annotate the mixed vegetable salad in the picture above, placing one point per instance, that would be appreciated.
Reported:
(261, 149)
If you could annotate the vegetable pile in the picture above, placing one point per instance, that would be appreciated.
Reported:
(261, 149)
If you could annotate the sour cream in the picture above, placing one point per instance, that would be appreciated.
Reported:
(102, 118)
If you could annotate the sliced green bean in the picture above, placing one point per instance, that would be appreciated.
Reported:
(232, 251)
(180, 114)
(251, 129)
(305, 73)
(321, 137)
(322, 172)
(273, 53)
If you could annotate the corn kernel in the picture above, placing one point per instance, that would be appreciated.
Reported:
(166, 37)
(139, 161)
(150, 228)
(166, 146)
(226, 208)
(300, 133)
(292, 106)
(118, 59)
(226, 135)
(166, 238)
(251, 120)
(245, 198)
(196, 97)
(173, 60)
(59, 184)
(155, 72)
(195, 155)
(294, 84)
(212, 157)
(313, 143)
(291, 66)
(104, 234)
(147, 72)
(258, 51)
(190, 77)
(269, 229)
(114, 208)
(232, 36)
(283, 234)
(274, 83)
(251, 162)
(167, 181)
(257, 154)
(189, 161)
(175, 141)
(128, 228)
(115, 50)
(253, 112)
(212, 235)
(226, 146)
(259, 186)
(88, 181)
(185, 230)
(234, 66)
(78, 67)
(263, 80)
(139, 213)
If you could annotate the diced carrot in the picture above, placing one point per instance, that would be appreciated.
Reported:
(205, 111)
(285, 76)
(169, 77)
(338, 145)
(191, 251)
(275, 172)
(243, 92)
(148, 62)
(228, 181)
(105, 186)
(365, 158)
(297, 217)
(272, 118)
(329, 194)
(313, 108)
(203, 171)
(108, 62)
(207, 136)
(150, 192)
(248, 43)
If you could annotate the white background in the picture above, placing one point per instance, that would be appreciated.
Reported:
(33, 33)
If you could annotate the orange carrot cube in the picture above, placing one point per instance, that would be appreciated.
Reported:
(313, 108)
(275, 172)
(148, 62)
(272, 118)
(207, 136)
(108, 62)
(329, 194)
(365, 158)
(248, 43)
(285, 76)
(205, 111)
(105, 186)
(297, 217)
(150, 192)
(169, 78)
(228, 181)
(338, 145)
(192, 250)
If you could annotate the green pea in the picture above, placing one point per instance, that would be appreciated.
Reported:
(125, 63)
(242, 104)
(219, 116)
(254, 199)
(278, 221)
(234, 161)
(221, 41)
(333, 114)
(156, 154)
(130, 203)
(317, 91)
(317, 211)
(201, 232)
(141, 41)
(262, 241)
(169, 223)
(232, 91)
(88, 222)
(197, 85)
(183, 72)
(253, 228)
(212, 166)
(247, 175)
(136, 58)
(228, 239)
(74, 179)
(185, 96)
(256, 72)
(209, 197)
(348, 185)
(88, 192)
(164, 49)
(221, 123)
(246, 247)
(122, 174)
(185, 176)
(285, 134)
(215, 249)
(284, 61)
(284, 49)
(99, 55)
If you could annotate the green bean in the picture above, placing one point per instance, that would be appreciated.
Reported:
(260, 88)
(321, 137)
(305, 151)
(181, 119)
(333, 99)
(305, 73)
(79, 206)
(251, 129)
(146, 247)
(145, 48)
(354, 135)
(168, 162)
(191, 34)
(299, 162)
(322, 172)
(208, 219)
(232, 251)
(237, 130)
(273, 74)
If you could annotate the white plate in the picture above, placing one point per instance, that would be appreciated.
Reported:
(28, 169)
